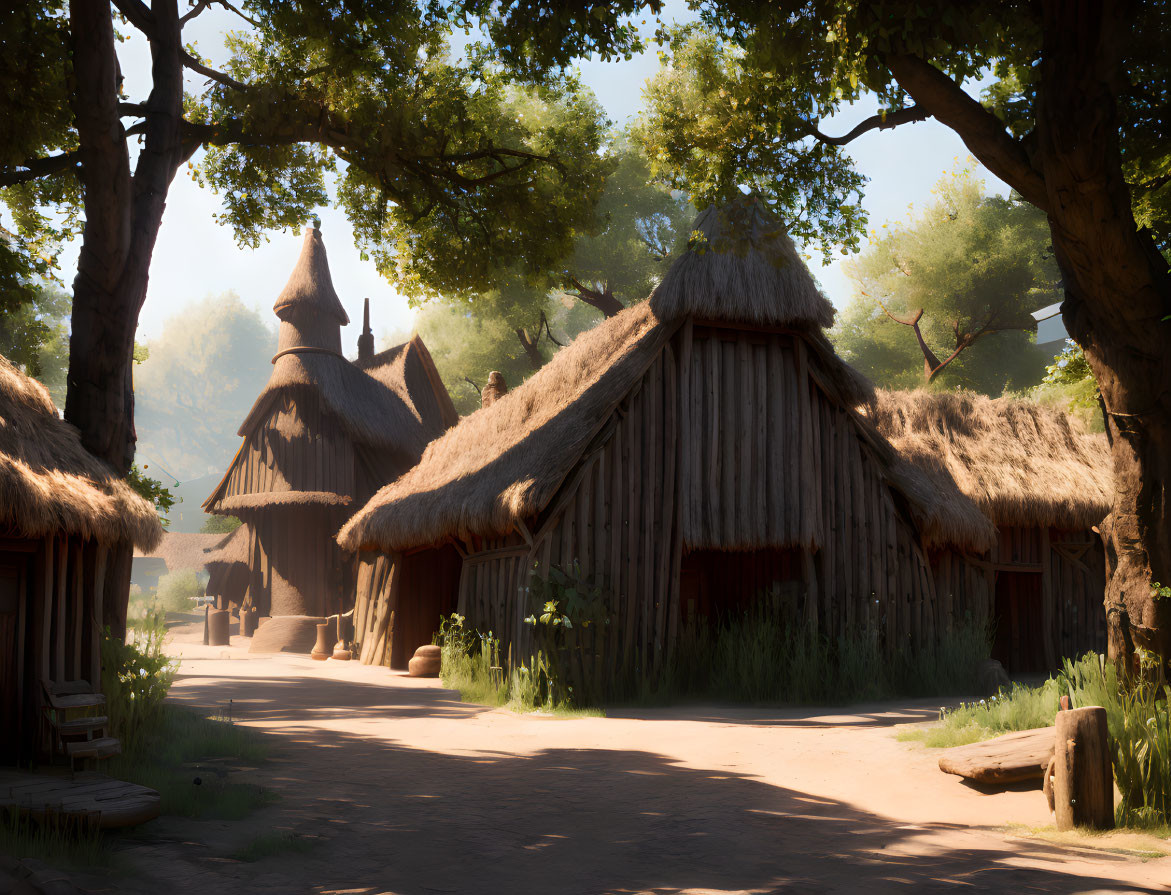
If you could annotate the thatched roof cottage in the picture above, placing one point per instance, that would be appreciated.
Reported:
(692, 453)
(321, 438)
(61, 512)
(1044, 483)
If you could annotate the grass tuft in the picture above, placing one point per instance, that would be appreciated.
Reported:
(70, 844)
(272, 844)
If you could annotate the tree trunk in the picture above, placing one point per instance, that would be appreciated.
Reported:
(1117, 293)
(530, 347)
(1083, 779)
(122, 218)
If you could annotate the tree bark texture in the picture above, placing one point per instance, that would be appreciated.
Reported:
(1118, 293)
(1117, 287)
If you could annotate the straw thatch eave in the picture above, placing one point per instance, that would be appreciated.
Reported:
(743, 269)
(50, 484)
(505, 462)
(1021, 463)
(183, 550)
(409, 371)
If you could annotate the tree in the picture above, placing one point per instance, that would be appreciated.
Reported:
(952, 293)
(1069, 383)
(441, 181)
(1076, 123)
(34, 335)
(198, 382)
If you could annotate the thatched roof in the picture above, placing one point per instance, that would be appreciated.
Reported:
(228, 549)
(506, 461)
(310, 289)
(371, 412)
(182, 550)
(1020, 462)
(227, 564)
(744, 269)
(50, 484)
(410, 372)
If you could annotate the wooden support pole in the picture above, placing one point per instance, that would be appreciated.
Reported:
(1083, 783)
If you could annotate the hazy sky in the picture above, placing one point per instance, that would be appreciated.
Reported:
(196, 257)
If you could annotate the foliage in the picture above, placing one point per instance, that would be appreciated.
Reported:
(70, 842)
(179, 591)
(1137, 718)
(34, 335)
(267, 845)
(568, 621)
(1069, 384)
(976, 266)
(219, 525)
(710, 129)
(150, 489)
(136, 675)
(199, 381)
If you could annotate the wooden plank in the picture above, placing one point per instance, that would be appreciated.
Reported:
(669, 525)
(1048, 610)
(76, 614)
(746, 526)
(631, 541)
(60, 596)
(808, 494)
(775, 434)
(711, 434)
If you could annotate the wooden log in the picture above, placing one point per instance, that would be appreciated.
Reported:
(1012, 758)
(1083, 782)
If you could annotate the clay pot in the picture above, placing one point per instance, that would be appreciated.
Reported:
(321, 650)
(340, 652)
(218, 632)
(425, 662)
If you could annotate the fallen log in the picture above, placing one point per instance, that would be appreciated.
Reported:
(1012, 758)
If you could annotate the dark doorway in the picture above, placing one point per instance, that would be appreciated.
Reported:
(13, 577)
(713, 583)
(429, 591)
(1019, 643)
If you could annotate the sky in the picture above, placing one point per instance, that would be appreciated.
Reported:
(195, 257)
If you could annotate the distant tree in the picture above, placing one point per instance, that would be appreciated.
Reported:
(217, 525)
(34, 335)
(199, 381)
(949, 295)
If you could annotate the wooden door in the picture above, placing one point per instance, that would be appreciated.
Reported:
(429, 591)
(1020, 633)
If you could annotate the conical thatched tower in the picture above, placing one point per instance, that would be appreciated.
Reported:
(321, 438)
(696, 453)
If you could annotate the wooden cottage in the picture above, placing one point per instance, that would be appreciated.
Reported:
(693, 453)
(229, 567)
(322, 437)
(61, 513)
(1045, 483)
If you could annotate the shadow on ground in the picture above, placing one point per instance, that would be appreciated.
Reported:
(565, 821)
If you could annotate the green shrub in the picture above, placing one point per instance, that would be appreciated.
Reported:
(136, 675)
(179, 591)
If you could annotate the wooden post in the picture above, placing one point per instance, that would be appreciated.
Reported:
(1083, 790)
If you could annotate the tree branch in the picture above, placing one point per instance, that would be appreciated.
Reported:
(195, 11)
(34, 169)
(219, 77)
(549, 332)
(982, 132)
(881, 121)
(137, 14)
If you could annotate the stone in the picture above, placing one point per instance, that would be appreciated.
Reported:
(991, 678)
(425, 662)
(1012, 758)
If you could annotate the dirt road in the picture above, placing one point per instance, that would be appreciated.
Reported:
(406, 790)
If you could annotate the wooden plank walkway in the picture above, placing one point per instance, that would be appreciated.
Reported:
(113, 803)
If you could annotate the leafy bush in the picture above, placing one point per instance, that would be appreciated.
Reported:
(179, 591)
(136, 675)
(215, 525)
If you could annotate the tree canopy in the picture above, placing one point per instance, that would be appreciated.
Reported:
(948, 296)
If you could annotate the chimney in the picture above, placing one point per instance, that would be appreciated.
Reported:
(366, 340)
(495, 389)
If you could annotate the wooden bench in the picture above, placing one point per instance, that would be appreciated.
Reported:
(77, 736)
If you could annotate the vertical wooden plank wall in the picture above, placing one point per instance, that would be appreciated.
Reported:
(1077, 570)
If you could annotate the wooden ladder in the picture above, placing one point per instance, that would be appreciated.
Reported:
(75, 730)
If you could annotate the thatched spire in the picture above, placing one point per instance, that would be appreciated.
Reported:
(366, 340)
(311, 313)
(495, 389)
(741, 266)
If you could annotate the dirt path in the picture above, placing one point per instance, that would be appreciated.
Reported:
(411, 791)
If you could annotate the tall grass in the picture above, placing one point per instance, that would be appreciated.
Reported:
(69, 842)
(755, 657)
(136, 676)
(1136, 716)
